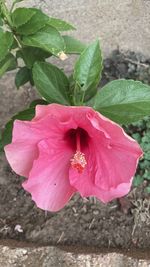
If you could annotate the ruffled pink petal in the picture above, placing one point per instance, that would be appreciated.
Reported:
(57, 111)
(48, 181)
(68, 118)
(101, 178)
(111, 161)
(23, 149)
(25, 137)
(76, 116)
(51, 121)
(84, 185)
(115, 132)
(33, 132)
(20, 156)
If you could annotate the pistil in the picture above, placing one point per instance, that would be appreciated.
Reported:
(78, 161)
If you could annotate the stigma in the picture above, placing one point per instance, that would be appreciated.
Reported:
(78, 162)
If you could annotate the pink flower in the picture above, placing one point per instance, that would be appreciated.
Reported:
(68, 149)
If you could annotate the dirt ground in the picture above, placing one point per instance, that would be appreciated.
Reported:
(83, 222)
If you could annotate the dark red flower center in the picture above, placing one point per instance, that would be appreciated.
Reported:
(79, 141)
(78, 161)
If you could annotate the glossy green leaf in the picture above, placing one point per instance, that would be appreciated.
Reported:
(48, 39)
(6, 138)
(73, 46)
(60, 25)
(22, 15)
(7, 64)
(123, 101)
(88, 68)
(36, 102)
(22, 77)
(51, 83)
(32, 54)
(36, 22)
(6, 41)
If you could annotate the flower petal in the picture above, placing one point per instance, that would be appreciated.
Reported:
(48, 180)
(20, 156)
(111, 163)
(25, 138)
(23, 149)
(32, 132)
(51, 121)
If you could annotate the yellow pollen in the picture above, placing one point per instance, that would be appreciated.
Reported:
(78, 161)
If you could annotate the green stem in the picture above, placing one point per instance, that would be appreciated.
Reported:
(11, 9)
(7, 16)
(17, 40)
(5, 12)
(82, 100)
(78, 96)
(75, 95)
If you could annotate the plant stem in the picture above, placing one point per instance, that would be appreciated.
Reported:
(5, 12)
(11, 9)
(78, 96)
(7, 17)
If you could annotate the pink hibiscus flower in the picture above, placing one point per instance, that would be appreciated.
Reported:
(64, 150)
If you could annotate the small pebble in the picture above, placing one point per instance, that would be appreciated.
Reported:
(18, 228)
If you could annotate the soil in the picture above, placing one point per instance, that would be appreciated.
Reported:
(122, 223)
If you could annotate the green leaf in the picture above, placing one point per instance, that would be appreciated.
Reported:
(6, 138)
(123, 101)
(23, 76)
(14, 45)
(146, 175)
(147, 189)
(1, 21)
(88, 68)
(22, 15)
(36, 22)
(59, 24)
(7, 64)
(48, 39)
(73, 46)
(32, 54)
(38, 102)
(51, 83)
(6, 41)
(138, 180)
(13, 62)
